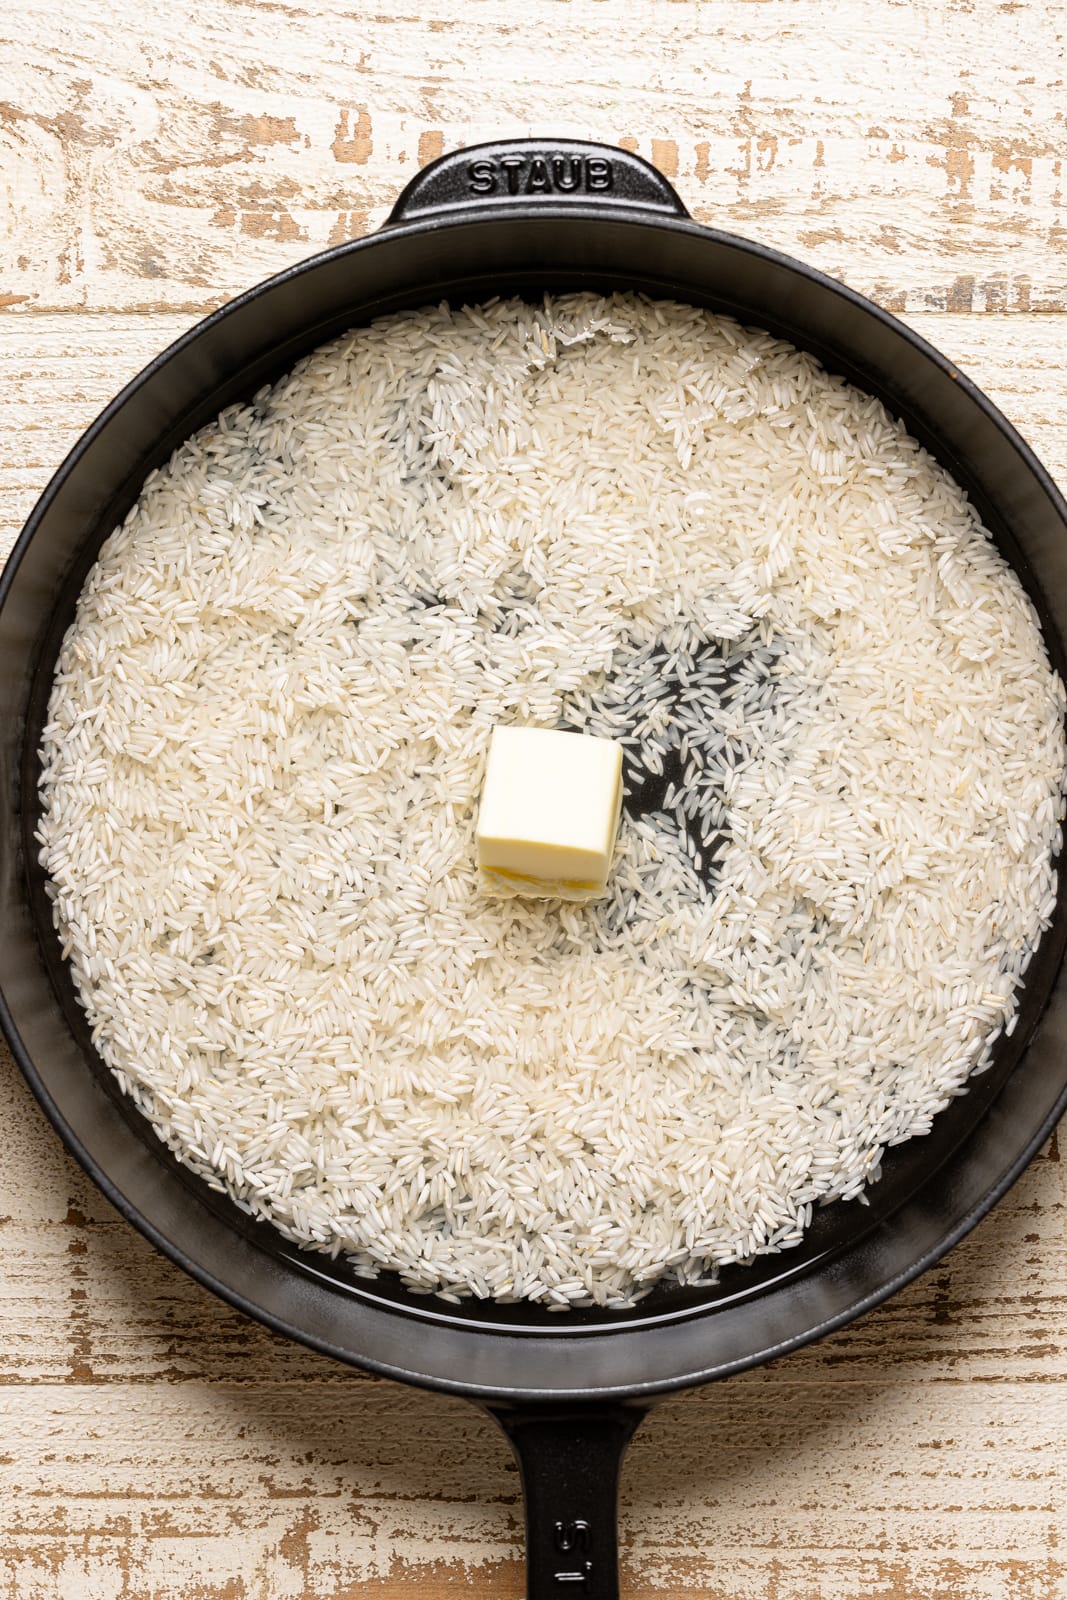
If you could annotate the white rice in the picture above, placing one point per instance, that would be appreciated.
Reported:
(266, 743)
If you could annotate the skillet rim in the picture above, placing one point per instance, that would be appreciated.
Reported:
(946, 1237)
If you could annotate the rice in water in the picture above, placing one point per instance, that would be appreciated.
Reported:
(266, 742)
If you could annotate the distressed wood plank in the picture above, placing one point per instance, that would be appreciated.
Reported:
(730, 1489)
(152, 1442)
(915, 149)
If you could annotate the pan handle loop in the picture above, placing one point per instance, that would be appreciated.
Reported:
(526, 174)
(569, 1460)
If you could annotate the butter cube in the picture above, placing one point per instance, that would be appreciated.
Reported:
(550, 810)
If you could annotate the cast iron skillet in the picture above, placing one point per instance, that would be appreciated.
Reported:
(568, 1389)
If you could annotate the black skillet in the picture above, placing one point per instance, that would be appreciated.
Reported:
(568, 1389)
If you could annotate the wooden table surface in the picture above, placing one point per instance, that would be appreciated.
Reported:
(157, 158)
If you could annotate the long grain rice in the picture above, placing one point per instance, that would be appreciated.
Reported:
(266, 742)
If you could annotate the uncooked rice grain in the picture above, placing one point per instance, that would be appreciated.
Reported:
(266, 739)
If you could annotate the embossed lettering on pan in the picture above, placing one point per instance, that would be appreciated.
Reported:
(541, 174)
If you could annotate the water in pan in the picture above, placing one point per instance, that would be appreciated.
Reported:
(844, 766)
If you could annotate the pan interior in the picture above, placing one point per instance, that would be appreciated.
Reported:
(838, 1226)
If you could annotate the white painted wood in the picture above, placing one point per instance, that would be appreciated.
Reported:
(172, 155)
(155, 160)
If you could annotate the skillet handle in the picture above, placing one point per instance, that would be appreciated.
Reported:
(569, 1460)
(526, 174)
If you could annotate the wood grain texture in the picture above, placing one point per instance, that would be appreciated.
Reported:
(156, 160)
(167, 157)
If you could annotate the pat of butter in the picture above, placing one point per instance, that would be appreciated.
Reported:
(550, 811)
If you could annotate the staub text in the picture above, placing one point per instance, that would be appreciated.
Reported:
(541, 174)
